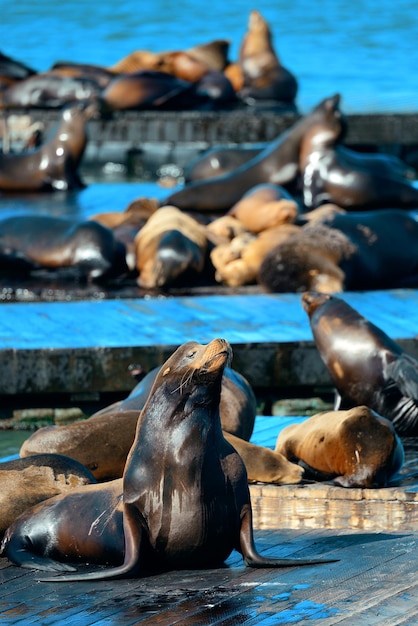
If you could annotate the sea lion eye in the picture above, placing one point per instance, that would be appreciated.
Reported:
(191, 354)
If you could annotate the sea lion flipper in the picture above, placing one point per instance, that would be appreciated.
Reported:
(405, 374)
(253, 559)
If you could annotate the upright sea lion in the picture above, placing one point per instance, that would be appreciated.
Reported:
(349, 251)
(186, 502)
(366, 366)
(103, 441)
(354, 448)
(334, 173)
(53, 165)
(84, 250)
(265, 78)
(170, 248)
(278, 163)
(25, 482)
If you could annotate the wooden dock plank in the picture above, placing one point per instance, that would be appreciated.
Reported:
(374, 577)
(87, 346)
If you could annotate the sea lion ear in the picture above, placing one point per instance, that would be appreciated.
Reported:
(166, 371)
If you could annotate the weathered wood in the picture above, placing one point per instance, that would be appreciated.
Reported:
(373, 583)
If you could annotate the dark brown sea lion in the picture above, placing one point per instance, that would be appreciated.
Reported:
(146, 89)
(265, 78)
(220, 160)
(349, 251)
(13, 71)
(101, 75)
(334, 173)
(186, 502)
(278, 163)
(170, 249)
(365, 365)
(103, 441)
(54, 164)
(25, 482)
(354, 448)
(49, 90)
(76, 249)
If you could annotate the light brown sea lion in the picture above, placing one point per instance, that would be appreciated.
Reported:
(331, 172)
(278, 163)
(186, 502)
(145, 89)
(264, 465)
(170, 248)
(135, 61)
(213, 53)
(264, 76)
(265, 206)
(354, 448)
(25, 482)
(351, 251)
(54, 164)
(238, 262)
(366, 366)
(84, 250)
(102, 442)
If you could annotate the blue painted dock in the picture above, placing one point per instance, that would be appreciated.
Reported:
(88, 346)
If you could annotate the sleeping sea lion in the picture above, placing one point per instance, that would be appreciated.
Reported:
(365, 365)
(186, 502)
(83, 250)
(25, 482)
(354, 448)
(277, 163)
(170, 248)
(345, 252)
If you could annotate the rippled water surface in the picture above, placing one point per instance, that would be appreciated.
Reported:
(365, 50)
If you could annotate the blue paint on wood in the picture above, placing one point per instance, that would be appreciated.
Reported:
(242, 319)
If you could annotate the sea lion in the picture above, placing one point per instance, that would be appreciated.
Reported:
(186, 502)
(353, 448)
(169, 249)
(213, 53)
(13, 71)
(341, 252)
(146, 89)
(53, 165)
(84, 250)
(49, 90)
(334, 173)
(264, 77)
(278, 163)
(25, 482)
(365, 365)
(220, 160)
(102, 442)
(238, 262)
(265, 206)
(264, 465)
(101, 75)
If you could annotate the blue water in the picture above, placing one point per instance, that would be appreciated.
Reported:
(364, 49)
